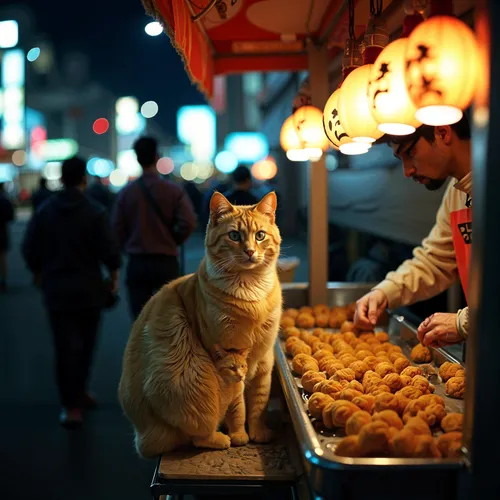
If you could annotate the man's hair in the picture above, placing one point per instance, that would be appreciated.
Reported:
(241, 175)
(146, 149)
(73, 171)
(43, 182)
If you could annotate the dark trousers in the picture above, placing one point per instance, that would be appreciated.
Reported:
(75, 334)
(146, 274)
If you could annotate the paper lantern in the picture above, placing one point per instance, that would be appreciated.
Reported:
(331, 122)
(442, 67)
(390, 103)
(290, 142)
(308, 122)
(354, 107)
(355, 148)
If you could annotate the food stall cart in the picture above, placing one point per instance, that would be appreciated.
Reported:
(218, 37)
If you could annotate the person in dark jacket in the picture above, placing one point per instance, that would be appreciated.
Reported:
(241, 193)
(100, 193)
(66, 242)
(41, 194)
(6, 216)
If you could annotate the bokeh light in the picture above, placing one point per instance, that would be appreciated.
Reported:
(102, 167)
(127, 106)
(52, 170)
(19, 158)
(100, 126)
(226, 162)
(165, 165)
(205, 170)
(117, 178)
(153, 29)
(149, 109)
(33, 54)
(189, 171)
(264, 170)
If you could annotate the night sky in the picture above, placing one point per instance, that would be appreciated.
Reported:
(123, 57)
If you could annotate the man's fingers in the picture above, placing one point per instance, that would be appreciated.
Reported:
(373, 309)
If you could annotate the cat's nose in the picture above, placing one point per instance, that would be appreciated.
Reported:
(250, 252)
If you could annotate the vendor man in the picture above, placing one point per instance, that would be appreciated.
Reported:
(430, 156)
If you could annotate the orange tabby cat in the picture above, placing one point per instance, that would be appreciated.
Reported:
(169, 387)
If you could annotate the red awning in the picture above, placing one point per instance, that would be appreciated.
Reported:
(249, 35)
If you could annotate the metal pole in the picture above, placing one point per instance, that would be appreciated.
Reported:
(318, 186)
(482, 403)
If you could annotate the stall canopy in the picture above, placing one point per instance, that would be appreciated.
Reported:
(217, 37)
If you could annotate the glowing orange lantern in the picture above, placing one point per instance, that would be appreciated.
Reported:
(308, 122)
(354, 107)
(264, 170)
(290, 142)
(388, 96)
(442, 67)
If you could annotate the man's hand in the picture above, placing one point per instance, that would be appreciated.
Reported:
(369, 308)
(439, 330)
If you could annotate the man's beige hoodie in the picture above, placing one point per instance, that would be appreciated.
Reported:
(433, 267)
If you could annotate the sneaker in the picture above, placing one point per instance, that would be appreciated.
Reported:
(89, 402)
(71, 419)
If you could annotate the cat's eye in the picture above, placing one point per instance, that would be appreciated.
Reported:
(234, 235)
(260, 235)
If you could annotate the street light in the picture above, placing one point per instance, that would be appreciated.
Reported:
(154, 28)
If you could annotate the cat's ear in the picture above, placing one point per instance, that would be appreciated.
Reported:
(244, 352)
(267, 205)
(217, 352)
(219, 206)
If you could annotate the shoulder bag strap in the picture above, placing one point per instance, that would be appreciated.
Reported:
(153, 204)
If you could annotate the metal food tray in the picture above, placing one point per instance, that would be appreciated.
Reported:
(318, 443)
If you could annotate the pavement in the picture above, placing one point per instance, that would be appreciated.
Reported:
(39, 459)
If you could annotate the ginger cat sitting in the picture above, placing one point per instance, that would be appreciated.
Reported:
(170, 389)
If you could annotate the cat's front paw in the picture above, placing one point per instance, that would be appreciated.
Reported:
(239, 438)
(261, 434)
(221, 441)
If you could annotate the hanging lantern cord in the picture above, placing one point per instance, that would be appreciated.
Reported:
(352, 34)
(376, 7)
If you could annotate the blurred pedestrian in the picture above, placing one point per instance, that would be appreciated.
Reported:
(101, 194)
(152, 218)
(66, 242)
(6, 216)
(41, 194)
(241, 191)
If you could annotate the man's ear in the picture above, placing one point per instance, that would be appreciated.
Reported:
(444, 132)
(267, 206)
(219, 206)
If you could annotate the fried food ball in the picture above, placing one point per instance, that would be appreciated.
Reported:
(350, 337)
(390, 417)
(405, 379)
(326, 415)
(426, 447)
(450, 444)
(460, 373)
(386, 401)
(448, 370)
(379, 389)
(433, 414)
(333, 367)
(347, 359)
(347, 326)
(421, 383)
(317, 402)
(318, 387)
(410, 392)
(290, 342)
(322, 346)
(362, 354)
(365, 336)
(306, 336)
(394, 348)
(421, 354)
(393, 381)
(344, 374)
(402, 403)
(403, 444)
(371, 361)
(384, 359)
(393, 356)
(334, 321)
(322, 320)
(287, 321)
(321, 309)
(418, 426)
(378, 348)
(453, 422)
(341, 411)
(400, 364)
(306, 310)
(354, 384)
(382, 336)
(290, 331)
(317, 332)
(412, 371)
(305, 320)
(332, 388)
(340, 345)
(357, 421)
(366, 402)
(348, 447)
(373, 440)
(455, 387)
(293, 313)
(323, 353)
(384, 368)
(327, 360)
(310, 379)
(302, 363)
(413, 407)
(359, 368)
(300, 348)
(349, 394)
(432, 399)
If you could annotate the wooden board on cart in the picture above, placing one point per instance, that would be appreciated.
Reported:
(276, 461)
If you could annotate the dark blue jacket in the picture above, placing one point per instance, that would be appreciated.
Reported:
(66, 242)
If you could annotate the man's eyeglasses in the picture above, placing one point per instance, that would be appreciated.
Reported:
(408, 150)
